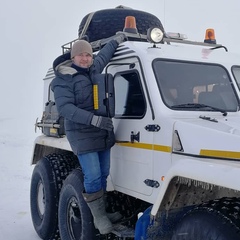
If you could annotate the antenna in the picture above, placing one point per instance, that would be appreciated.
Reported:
(164, 13)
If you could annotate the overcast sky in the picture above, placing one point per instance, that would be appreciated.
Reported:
(32, 33)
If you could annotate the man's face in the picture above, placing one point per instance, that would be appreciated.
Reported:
(83, 60)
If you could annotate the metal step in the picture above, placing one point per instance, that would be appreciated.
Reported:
(123, 231)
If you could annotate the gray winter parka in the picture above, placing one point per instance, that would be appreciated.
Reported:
(73, 93)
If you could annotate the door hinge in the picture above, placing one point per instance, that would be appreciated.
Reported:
(152, 127)
(152, 183)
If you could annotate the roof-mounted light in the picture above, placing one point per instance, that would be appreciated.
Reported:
(130, 25)
(174, 35)
(154, 35)
(210, 36)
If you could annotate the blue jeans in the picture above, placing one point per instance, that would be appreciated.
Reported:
(95, 167)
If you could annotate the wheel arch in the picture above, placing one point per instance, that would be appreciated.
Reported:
(192, 182)
(43, 150)
(48, 145)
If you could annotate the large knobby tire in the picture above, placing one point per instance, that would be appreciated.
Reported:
(105, 23)
(75, 219)
(216, 220)
(47, 179)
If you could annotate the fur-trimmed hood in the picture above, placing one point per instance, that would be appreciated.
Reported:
(62, 65)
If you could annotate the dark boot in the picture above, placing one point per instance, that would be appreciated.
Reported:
(97, 206)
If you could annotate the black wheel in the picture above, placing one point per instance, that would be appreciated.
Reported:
(46, 183)
(216, 220)
(75, 219)
(105, 23)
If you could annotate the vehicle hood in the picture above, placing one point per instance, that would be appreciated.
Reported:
(210, 137)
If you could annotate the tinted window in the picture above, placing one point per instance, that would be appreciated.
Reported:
(129, 98)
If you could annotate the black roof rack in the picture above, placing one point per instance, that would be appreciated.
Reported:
(97, 45)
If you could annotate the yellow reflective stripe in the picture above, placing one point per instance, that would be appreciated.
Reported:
(219, 153)
(147, 146)
(95, 97)
(162, 148)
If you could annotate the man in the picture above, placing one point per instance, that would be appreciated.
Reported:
(89, 135)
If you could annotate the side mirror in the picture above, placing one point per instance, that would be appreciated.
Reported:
(103, 95)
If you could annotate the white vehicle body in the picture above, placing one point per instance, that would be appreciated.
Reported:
(206, 143)
(169, 155)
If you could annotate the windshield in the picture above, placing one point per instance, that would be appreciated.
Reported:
(195, 86)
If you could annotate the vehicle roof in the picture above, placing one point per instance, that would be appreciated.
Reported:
(184, 52)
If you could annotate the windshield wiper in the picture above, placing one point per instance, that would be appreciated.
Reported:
(198, 106)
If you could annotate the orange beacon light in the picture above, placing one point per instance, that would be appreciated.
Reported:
(210, 36)
(130, 25)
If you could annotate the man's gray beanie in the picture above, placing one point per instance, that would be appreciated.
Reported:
(81, 46)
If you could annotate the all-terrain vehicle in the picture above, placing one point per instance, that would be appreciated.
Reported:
(175, 170)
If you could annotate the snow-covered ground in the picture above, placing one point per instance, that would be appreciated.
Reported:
(15, 177)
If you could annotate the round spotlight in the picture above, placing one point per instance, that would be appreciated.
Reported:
(154, 35)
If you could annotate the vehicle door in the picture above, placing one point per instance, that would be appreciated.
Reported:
(132, 163)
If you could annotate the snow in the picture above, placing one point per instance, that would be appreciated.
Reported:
(15, 178)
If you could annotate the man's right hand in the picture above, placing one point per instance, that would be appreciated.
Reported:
(102, 122)
(120, 37)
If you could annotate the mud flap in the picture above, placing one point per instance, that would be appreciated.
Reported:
(142, 224)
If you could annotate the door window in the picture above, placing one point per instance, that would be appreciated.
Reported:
(129, 98)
